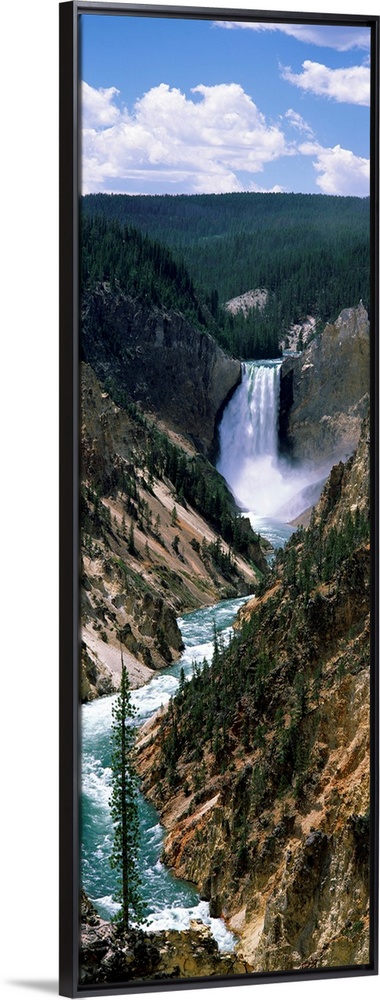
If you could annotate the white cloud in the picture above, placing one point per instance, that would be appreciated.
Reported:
(192, 144)
(330, 36)
(299, 123)
(97, 106)
(350, 85)
(338, 170)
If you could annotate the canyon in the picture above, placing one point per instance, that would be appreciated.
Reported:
(277, 840)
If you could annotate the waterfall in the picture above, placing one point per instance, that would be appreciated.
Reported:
(262, 482)
(249, 425)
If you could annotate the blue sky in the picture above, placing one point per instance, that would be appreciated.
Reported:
(171, 105)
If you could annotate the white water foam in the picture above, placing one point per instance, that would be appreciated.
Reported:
(180, 918)
(177, 918)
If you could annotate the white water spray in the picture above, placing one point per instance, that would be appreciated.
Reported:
(263, 484)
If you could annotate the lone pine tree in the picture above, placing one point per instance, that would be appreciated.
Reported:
(123, 805)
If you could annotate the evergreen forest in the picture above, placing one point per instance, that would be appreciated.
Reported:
(195, 252)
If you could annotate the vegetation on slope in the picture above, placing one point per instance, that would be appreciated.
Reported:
(191, 477)
(143, 268)
(271, 670)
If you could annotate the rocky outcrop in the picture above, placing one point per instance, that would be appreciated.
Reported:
(256, 298)
(324, 392)
(96, 679)
(160, 359)
(108, 956)
(348, 486)
(123, 615)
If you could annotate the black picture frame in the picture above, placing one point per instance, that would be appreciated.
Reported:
(70, 460)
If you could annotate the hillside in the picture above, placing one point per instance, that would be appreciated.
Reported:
(269, 815)
(159, 537)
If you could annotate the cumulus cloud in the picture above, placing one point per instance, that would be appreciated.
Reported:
(342, 38)
(338, 170)
(97, 106)
(350, 85)
(193, 144)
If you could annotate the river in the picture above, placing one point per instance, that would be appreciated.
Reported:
(170, 902)
(262, 483)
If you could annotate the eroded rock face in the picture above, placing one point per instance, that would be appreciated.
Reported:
(324, 391)
(159, 359)
(256, 298)
(144, 624)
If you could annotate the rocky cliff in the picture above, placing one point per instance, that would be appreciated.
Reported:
(324, 392)
(158, 358)
(270, 816)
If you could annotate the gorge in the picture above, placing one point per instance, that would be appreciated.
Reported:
(202, 820)
(225, 558)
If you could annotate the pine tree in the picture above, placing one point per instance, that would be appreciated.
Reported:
(123, 805)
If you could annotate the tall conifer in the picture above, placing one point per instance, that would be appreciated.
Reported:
(123, 805)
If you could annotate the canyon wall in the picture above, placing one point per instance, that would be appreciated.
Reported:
(325, 392)
(159, 359)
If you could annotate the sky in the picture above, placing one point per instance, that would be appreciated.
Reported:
(172, 105)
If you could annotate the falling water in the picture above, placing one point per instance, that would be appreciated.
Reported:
(264, 484)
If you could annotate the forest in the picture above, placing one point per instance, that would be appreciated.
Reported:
(311, 253)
